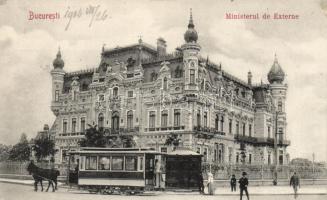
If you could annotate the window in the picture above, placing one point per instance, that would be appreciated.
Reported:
(280, 106)
(130, 93)
(198, 150)
(101, 97)
(74, 95)
(141, 163)
(222, 123)
(205, 119)
(243, 129)
(250, 158)
(269, 134)
(131, 163)
(100, 120)
(280, 158)
(117, 163)
(56, 95)
(115, 92)
(237, 157)
(82, 124)
(217, 122)
(177, 117)
(104, 163)
(152, 119)
(198, 119)
(115, 121)
(269, 159)
(192, 76)
(219, 155)
(73, 125)
(205, 154)
(164, 118)
(250, 130)
(163, 149)
(165, 83)
(91, 163)
(130, 119)
(237, 127)
(64, 126)
(230, 125)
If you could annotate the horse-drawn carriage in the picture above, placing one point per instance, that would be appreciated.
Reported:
(132, 170)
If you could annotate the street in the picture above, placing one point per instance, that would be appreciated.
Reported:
(10, 191)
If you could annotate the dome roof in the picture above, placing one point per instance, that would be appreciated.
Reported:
(190, 35)
(276, 73)
(58, 62)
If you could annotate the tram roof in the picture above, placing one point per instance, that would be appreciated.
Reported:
(97, 150)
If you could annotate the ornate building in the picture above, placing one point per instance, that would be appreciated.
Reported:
(142, 91)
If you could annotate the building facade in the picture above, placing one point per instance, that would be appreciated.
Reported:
(145, 92)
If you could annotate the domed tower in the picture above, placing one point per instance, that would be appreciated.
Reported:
(278, 91)
(191, 51)
(57, 74)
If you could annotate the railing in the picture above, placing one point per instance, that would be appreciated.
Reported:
(208, 130)
(71, 134)
(260, 140)
(166, 128)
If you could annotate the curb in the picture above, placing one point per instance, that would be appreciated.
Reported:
(193, 193)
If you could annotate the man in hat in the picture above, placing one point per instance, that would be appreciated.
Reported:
(295, 183)
(244, 185)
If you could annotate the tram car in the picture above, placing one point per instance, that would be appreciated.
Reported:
(133, 170)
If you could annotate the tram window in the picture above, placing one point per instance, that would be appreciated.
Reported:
(141, 163)
(91, 163)
(82, 163)
(131, 163)
(104, 163)
(117, 163)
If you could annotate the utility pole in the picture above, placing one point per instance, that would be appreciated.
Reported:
(313, 168)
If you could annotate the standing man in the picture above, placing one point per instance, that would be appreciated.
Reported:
(233, 183)
(200, 182)
(295, 182)
(244, 185)
(157, 171)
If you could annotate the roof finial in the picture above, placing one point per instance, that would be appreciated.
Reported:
(59, 53)
(191, 24)
(103, 47)
(140, 39)
(276, 60)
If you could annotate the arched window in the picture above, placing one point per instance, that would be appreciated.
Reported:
(64, 126)
(115, 121)
(280, 106)
(165, 84)
(177, 117)
(205, 119)
(192, 76)
(130, 119)
(82, 124)
(217, 122)
(100, 120)
(198, 119)
(243, 129)
(164, 118)
(269, 159)
(115, 92)
(222, 123)
(152, 119)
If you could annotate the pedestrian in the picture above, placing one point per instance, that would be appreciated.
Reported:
(200, 182)
(244, 182)
(157, 171)
(233, 183)
(295, 183)
(210, 183)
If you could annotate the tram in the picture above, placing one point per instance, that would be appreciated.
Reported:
(134, 170)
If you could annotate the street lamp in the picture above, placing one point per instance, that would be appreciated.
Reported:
(276, 147)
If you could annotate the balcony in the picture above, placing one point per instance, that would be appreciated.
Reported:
(246, 139)
(260, 141)
(71, 134)
(208, 131)
(167, 128)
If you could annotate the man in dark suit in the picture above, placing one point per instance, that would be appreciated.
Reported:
(295, 183)
(244, 185)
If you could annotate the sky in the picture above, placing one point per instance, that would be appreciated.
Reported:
(28, 47)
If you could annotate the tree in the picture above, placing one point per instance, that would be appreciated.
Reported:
(93, 137)
(4, 152)
(20, 151)
(43, 147)
(173, 140)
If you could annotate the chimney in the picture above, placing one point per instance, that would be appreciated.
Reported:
(161, 47)
(249, 78)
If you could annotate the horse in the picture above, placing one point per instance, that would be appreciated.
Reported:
(40, 174)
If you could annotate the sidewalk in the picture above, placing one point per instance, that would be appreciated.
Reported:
(255, 190)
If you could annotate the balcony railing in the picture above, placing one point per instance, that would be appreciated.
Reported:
(208, 130)
(167, 128)
(260, 140)
(71, 134)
